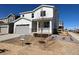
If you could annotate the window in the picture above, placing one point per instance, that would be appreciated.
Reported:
(46, 24)
(39, 25)
(22, 15)
(60, 27)
(23, 25)
(32, 15)
(43, 13)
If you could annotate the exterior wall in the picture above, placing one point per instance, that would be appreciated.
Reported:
(27, 16)
(23, 21)
(51, 27)
(49, 13)
(45, 30)
(5, 20)
(55, 21)
(11, 18)
(21, 16)
(4, 28)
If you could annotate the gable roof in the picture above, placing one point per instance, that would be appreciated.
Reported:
(25, 12)
(49, 6)
(19, 19)
(11, 14)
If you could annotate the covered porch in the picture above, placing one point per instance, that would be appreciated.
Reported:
(42, 26)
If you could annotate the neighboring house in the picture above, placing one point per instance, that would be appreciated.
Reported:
(3, 27)
(11, 17)
(4, 23)
(61, 26)
(43, 19)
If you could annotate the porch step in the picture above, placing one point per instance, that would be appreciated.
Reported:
(41, 35)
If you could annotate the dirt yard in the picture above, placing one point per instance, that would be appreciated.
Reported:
(39, 46)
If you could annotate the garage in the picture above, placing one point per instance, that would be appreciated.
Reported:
(22, 26)
(4, 28)
(22, 29)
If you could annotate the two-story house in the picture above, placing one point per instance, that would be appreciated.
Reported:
(43, 19)
(4, 22)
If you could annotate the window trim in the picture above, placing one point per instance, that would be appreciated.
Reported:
(23, 25)
(46, 24)
(32, 15)
(43, 13)
(23, 15)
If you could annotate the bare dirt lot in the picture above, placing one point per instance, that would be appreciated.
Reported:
(37, 46)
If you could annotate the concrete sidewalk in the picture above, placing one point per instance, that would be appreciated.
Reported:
(9, 36)
(76, 36)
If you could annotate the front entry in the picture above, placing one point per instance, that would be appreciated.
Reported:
(34, 26)
(44, 27)
(11, 28)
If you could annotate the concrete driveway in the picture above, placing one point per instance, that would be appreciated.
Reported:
(9, 36)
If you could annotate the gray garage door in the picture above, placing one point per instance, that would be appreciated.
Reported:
(22, 29)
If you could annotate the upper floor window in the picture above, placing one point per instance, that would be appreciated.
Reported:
(32, 15)
(43, 13)
(22, 15)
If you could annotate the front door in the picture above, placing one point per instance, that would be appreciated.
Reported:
(34, 26)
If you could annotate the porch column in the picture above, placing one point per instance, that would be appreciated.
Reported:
(37, 25)
(51, 27)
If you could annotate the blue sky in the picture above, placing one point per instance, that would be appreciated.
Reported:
(69, 13)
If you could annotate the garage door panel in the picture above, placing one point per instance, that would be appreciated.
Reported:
(22, 29)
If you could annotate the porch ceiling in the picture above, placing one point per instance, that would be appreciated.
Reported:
(42, 19)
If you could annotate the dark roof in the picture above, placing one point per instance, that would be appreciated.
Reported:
(16, 17)
(11, 14)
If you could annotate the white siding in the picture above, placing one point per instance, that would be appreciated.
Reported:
(37, 15)
(5, 20)
(27, 15)
(45, 30)
(4, 28)
(49, 12)
(23, 21)
(51, 27)
(21, 16)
